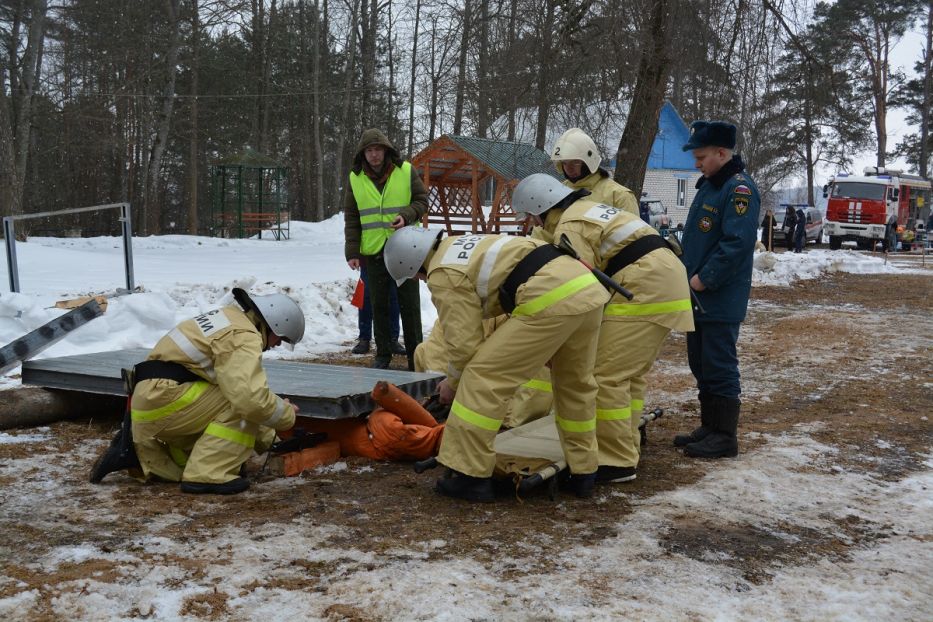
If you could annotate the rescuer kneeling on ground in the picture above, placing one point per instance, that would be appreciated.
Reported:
(201, 403)
(555, 305)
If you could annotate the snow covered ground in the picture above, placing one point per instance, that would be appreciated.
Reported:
(791, 483)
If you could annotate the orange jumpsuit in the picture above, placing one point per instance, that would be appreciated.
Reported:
(398, 429)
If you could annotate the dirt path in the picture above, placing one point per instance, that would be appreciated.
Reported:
(846, 358)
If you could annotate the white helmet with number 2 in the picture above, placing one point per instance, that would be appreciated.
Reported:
(407, 249)
(537, 194)
(575, 144)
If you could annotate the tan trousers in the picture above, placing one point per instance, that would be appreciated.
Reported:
(626, 352)
(509, 358)
(200, 442)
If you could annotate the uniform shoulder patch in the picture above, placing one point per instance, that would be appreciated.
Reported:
(741, 204)
(743, 189)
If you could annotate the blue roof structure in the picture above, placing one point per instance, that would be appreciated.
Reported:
(673, 133)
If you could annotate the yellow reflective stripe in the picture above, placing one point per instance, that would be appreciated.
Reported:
(638, 404)
(557, 294)
(539, 385)
(568, 425)
(649, 308)
(613, 414)
(234, 436)
(184, 401)
(474, 418)
(179, 457)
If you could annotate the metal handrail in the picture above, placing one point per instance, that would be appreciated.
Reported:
(9, 235)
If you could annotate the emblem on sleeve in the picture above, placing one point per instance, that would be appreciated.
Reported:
(705, 224)
(743, 189)
(741, 205)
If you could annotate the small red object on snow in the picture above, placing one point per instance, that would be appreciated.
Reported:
(360, 291)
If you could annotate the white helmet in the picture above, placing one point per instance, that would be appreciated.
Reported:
(537, 194)
(281, 314)
(575, 144)
(407, 249)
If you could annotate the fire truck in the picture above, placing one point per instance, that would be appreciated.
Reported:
(870, 207)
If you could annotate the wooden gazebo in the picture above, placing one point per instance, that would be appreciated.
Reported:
(470, 182)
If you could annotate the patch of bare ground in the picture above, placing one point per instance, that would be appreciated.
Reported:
(847, 358)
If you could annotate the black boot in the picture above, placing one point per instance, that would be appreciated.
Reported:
(361, 347)
(460, 486)
(381, 362)
(232, 487)
(698, 434)
(119, 456)
(722, 441)
(607, 474)
(582, 485)
(397, 348)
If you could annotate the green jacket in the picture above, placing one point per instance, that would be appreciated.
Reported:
(351, 214)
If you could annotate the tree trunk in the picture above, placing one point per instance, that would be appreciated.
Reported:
(319, 212)
(193, 138)
(462, 67)
(150, 209)
(544, 72)
(411, 89)
(30, 407)
(924, 158)
(482, 71)
(513, 103)
(29, 75)
(641, 126)
(341, 166)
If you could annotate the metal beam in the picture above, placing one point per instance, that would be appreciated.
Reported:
(38, 340)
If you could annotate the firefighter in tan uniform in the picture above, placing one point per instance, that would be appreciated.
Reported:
(578, 158)
(531, 401)
(555, 306)
(201, 403)
(634, 255)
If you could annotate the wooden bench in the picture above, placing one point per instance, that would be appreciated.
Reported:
(254, 223)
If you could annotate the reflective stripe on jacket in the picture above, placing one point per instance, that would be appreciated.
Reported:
(464, 277)
(378, 210)
(658, 279)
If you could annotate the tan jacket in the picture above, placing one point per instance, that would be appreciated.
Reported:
(223, 346)
(658, 280)
(464, 276)
(604, 190)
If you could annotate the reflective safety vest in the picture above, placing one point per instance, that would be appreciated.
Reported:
(377, 211)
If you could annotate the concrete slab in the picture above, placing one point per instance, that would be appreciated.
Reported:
(327, 391)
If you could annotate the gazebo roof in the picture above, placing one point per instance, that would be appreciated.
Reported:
(249, 158)
(507, 160)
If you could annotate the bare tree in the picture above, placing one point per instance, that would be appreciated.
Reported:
(150, 212)
(642, 123)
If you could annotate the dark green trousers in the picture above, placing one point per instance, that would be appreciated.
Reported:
(409, 302)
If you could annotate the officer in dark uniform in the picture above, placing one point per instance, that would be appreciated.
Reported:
(718, 247)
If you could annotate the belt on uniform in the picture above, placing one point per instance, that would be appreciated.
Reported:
(147, 370)
(635, 251)
(524, 270)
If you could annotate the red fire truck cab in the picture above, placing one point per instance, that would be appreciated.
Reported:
(870, 207)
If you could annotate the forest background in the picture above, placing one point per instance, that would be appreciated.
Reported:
(120, 100)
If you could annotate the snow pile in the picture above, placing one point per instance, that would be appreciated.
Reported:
(785, 268)
(183, 276)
